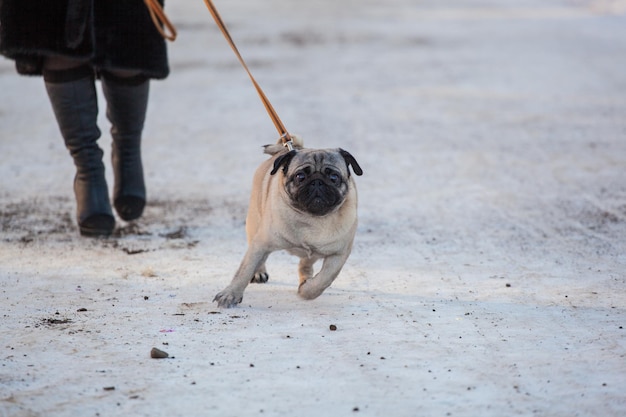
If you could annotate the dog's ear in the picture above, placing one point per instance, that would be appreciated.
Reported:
(283, 160)
(351, 161)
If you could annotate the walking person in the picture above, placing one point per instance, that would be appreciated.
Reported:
(73, 43)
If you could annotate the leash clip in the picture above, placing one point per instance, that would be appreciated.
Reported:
(287, 142)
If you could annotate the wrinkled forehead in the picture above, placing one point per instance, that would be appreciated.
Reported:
(318, 160)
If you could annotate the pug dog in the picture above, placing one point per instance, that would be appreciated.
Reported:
(303, 201)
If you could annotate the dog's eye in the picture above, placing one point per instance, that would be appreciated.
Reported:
(334, 178)
(300, 176)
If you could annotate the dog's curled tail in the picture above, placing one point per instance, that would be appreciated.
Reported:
(298, 143)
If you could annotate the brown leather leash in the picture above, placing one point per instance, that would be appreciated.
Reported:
(284, 134)
(160, 20)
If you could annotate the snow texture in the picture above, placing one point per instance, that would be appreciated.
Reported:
(489, 268)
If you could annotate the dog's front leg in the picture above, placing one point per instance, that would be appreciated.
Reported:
(312, 288)
(233, 294)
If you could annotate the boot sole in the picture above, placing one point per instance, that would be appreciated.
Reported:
(129, 207)
(97, 225)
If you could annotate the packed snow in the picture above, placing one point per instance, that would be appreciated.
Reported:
(489, 268)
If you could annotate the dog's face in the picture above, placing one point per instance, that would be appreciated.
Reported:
(316, 180)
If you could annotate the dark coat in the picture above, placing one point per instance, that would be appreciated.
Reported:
(111, 34)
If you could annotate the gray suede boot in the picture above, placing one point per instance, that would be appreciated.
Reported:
(73, 97)
(127, 102)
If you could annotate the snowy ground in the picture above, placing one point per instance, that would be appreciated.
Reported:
(489, 269)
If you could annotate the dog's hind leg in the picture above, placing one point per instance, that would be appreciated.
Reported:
(260, 276)
(305, 269)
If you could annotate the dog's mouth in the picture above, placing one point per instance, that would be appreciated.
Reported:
(319, 206)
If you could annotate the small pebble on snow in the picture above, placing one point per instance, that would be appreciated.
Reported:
(158, 354)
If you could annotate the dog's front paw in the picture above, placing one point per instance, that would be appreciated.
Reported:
(228, 299)
(309, 290)
(260, 278)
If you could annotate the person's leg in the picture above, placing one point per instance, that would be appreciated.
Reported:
(126, 94)
(71, 89)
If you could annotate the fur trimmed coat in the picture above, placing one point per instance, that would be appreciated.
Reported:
(111, 34)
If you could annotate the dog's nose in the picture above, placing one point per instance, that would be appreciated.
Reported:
(317, 184)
